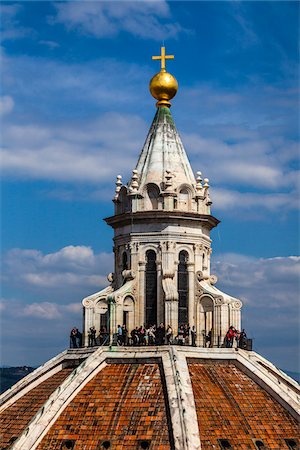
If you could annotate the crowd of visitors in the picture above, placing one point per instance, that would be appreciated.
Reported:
(101, 339)
(235, 338)
(157, 335)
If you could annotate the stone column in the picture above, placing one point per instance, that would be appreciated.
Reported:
(217, 335)
(209, 252)
(140, 316)
(235, 314)
(112, 319)
(119, 315)
(224, 320)
(160, 297)
(171, 315)
(198, 250)
(89, 318)
(191, 295)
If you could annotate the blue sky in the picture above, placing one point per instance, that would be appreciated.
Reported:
(75, 110)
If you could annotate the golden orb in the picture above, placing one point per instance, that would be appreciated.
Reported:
(163, 86)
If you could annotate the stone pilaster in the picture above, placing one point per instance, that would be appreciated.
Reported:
(140, 316)
(191, 290)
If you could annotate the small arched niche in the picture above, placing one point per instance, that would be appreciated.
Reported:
(128, 312)
(123, 203)
(206, 319)
(101, 311)
(152, 196)
(184, 198)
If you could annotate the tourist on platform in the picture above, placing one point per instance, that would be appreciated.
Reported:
(180, 335)
(147, 329)
(230, 335)
(186, 336)
(79, 338)
(141, 334)
(152, 335)
(73, 336)
(169, 335)
(160, 334)
(208, 339)
(119, 335)
(124, 335)
(242, 339)
(92, 336)
(135, 336)
(193, 336)
(104, 336)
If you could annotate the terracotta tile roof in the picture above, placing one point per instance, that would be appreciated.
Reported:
(15, 418)
(123, 404)
(231, 406)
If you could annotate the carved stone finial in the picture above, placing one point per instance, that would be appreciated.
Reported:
(118, 186)
(206, 183)
(134, 185)
(199, 181)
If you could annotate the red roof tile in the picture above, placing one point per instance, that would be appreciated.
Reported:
(123, 403)
(231, 406)
(15, 418)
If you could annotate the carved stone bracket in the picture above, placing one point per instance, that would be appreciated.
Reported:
(128, 274)
(198, 293)
(213, 279)
(198, 247)
(87, 303)
(236, 304)
(199, 276)
(219, 300)
(168, 274)
(111, 277)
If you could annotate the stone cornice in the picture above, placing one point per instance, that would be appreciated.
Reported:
(128, 218)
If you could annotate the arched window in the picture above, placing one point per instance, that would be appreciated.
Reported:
(151, 288)
(153, 194)
(183, 287)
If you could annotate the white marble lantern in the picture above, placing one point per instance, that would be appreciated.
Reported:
(162, 247)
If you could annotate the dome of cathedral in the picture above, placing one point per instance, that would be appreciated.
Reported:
(159, 398)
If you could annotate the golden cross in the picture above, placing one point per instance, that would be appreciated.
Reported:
(163, 58)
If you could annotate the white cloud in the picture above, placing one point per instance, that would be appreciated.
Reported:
(107, 19)
(6, 104)
(229, 200)
(11, 28)
(50, 44)
(73, 270)
(73, 308)
(252, 164)
(72, 153)
(44, 310)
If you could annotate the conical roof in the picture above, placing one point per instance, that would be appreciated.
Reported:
(163, 151)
